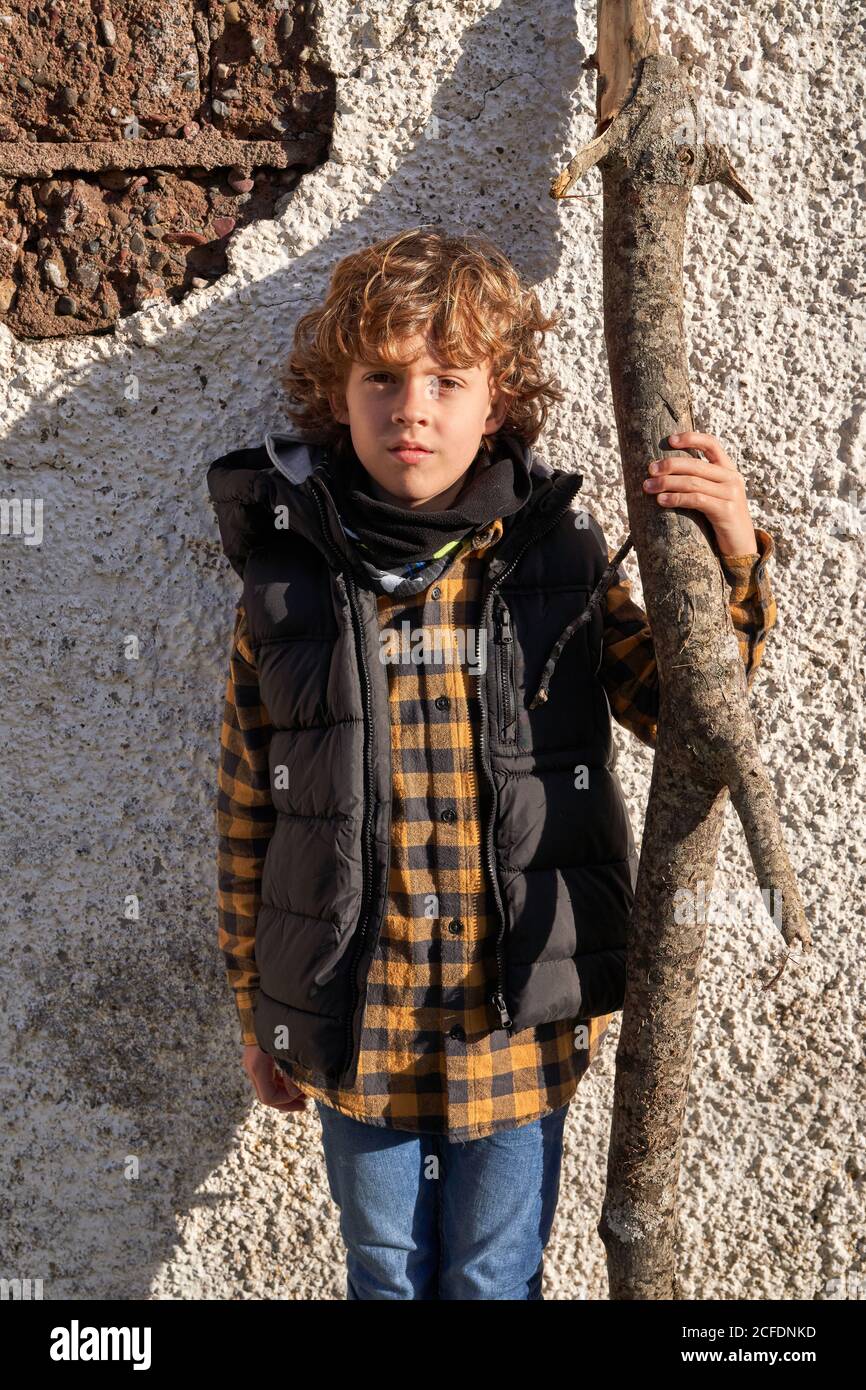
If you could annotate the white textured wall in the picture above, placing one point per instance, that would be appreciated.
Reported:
(119, 1037)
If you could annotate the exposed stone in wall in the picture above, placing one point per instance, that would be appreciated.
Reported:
(135, 137)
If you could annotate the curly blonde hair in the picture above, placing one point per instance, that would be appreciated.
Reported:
(461, 292)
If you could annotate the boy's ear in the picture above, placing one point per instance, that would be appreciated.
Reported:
(338, 407)
(498, 412)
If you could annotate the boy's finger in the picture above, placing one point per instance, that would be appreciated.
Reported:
(683, 463)
(707, 443)
(282, 1083)
(299, 1103)
(695, 501)
(687, 486)
(278, 1098)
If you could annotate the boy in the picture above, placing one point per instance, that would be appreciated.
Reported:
(424, 883)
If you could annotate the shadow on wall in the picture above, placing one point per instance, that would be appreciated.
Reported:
(124, 1036)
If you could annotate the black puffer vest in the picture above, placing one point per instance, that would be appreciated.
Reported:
(557, 844)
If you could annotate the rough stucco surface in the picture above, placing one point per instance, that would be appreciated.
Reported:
(120, 1039)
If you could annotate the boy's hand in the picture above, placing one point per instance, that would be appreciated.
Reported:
(270, 1082)
(710, 485)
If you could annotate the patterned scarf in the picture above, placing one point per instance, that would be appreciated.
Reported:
(396, 542)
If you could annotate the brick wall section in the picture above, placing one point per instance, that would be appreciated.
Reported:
(135, 137)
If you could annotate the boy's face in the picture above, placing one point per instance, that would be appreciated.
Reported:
(443, 409)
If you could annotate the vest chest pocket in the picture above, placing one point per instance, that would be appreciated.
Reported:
(571, 715)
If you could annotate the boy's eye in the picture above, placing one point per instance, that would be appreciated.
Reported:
(449, 381)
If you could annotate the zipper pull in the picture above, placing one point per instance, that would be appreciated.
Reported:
(505, 625)
(498, 1002)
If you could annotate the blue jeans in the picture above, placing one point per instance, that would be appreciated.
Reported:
(424, 1218)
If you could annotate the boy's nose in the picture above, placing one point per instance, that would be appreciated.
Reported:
(414, 401)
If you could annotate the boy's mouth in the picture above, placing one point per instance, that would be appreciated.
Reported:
(408, 451)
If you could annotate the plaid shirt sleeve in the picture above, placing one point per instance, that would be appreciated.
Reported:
(245, 821)
(628, 669)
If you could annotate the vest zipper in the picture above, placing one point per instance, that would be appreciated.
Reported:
(367, 826)
(367, 823)
(497, 998)
(505, 667)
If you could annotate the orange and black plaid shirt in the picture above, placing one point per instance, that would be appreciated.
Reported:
(429, 1058)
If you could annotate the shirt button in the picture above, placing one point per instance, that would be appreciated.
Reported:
(448, 814)
(436, 592)
(455, 927)
(457, 1033)
(442, 702)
